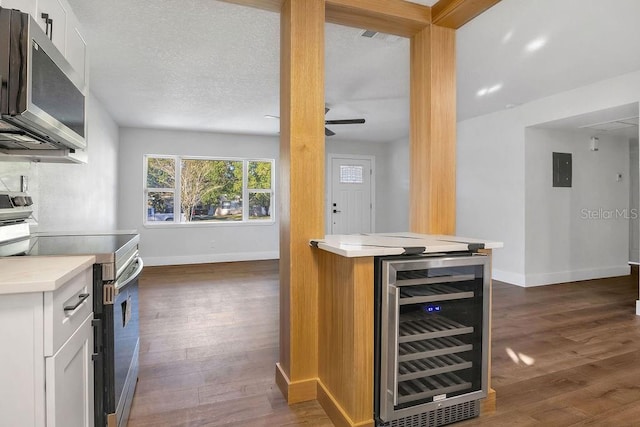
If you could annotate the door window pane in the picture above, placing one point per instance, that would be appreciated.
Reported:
(351, 174)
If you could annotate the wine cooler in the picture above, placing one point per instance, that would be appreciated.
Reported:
(432, 319)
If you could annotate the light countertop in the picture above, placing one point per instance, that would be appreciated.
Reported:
(40, 273)
(362, 245)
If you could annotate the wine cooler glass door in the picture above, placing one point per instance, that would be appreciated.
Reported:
(434, 340)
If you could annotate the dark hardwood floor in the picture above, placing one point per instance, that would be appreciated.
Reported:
(209, 344)
(563, 355)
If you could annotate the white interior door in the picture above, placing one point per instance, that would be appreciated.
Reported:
(350, 201)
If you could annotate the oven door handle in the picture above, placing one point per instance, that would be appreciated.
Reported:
(120, 285)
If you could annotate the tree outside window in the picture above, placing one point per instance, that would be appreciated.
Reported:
(211, 190)
(160, 188)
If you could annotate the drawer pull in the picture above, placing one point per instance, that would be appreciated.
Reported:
(81, 298)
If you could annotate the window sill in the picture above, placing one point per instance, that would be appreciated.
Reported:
(206, 224)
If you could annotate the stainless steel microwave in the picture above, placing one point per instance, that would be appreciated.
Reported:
(42, 98)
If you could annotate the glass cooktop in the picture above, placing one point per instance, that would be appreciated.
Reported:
(43, 245)
(77, 245)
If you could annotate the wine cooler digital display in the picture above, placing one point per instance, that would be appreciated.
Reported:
(431, 338)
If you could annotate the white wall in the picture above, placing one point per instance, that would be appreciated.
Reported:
(191, 243)
(490, 188)
(398, 192)
(491, 164)
(74, 197)
(578, 232)
(391, 180)
(634, 200)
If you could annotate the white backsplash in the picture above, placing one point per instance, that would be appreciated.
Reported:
(11, 174)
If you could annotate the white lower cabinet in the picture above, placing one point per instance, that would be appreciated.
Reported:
(69, 379)
(46, 348)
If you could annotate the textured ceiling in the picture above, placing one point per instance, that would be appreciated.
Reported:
(214, 66)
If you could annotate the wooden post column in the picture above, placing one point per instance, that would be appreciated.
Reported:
(301, 193)
(432, 188)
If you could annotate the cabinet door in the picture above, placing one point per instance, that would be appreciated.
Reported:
(27, 6)
(58, 15)
(69, 375)
(76, 50)
(22, 371)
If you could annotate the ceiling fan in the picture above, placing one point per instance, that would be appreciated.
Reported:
(327, 131)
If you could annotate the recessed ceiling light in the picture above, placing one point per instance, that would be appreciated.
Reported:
(487, 90)
(507, 37)
(494, 88)
(536, 44)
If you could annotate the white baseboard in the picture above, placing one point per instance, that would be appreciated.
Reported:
(508, 277)
(576, 275)
(209, 258)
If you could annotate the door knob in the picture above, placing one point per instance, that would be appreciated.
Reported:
(336, 211)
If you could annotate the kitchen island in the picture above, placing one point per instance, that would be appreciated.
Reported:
(345, 386)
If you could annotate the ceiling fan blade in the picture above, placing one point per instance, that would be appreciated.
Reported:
(344, 122)
(328, 132)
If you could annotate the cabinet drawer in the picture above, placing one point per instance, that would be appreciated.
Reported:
(66, 309)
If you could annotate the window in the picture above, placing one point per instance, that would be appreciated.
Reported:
(208, 189)
(351, 174)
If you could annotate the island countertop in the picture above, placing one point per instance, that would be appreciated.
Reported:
(378, 244)
(39, 273)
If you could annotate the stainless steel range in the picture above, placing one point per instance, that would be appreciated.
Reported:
(116, 330)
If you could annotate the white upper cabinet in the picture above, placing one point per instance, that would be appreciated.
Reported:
(52, 18)
(76, 52)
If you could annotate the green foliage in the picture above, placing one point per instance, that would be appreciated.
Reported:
(205, 184)
(209, 182)
(160, 173)
(259, 175)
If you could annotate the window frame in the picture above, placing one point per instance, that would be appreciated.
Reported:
(177, 214)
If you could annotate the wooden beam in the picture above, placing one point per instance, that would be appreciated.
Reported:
(432, 186)
(301, 210)
(270, 5)
(387, 16)
(455, 13)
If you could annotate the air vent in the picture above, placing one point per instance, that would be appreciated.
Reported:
(613, 124)
(370, 34)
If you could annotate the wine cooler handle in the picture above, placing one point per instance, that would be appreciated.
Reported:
(394, 334)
